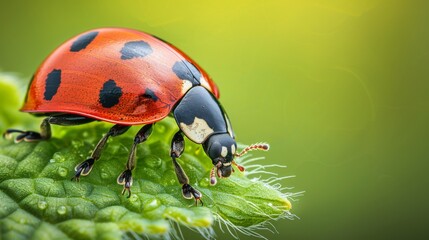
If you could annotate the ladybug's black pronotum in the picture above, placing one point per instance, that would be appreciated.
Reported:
(128, 77)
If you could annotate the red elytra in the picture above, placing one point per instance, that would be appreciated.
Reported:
(84, 72)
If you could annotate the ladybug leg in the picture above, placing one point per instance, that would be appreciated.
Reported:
(45, 127)
(177, 147)
(125, 178)
(85, 167)
(30, 136)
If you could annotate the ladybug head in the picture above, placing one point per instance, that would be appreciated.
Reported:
(221, 148)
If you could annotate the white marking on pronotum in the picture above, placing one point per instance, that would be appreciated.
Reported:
(205, 83)
(232, 149)
(186, 85)
(198, 131)
(224, 151)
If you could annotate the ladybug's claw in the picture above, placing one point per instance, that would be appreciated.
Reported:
(83, 169)
(28, 136)
(126, 179)
(126, 189)
(189, 192)
(76, 176)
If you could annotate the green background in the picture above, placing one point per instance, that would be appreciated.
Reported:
(338, 88)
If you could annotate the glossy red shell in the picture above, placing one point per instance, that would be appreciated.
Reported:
(84, 72)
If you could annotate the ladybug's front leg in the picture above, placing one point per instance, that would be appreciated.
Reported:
(85, 167)
(125, 178)
(177, 147)
(30, 136)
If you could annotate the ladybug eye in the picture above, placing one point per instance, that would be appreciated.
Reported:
(224, 152)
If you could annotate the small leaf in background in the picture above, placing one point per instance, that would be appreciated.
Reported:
(39, 201)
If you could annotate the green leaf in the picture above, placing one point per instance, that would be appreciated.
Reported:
(38, 200)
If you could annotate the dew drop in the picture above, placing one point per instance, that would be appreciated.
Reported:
(62, 171)
(85, 134)
(152, 204)
(204, 182)
(58, 157)
(42, 205)
(22, 221)
(52, 160)
(270, 204)
(77, 144)
(61, 210)
(133, 198)
(104, 174)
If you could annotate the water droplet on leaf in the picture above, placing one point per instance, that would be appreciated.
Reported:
(133, 198)
(205, 182)
(62, 171)
(77, 144)
(42, 205)
(152, 204)
(61, 210)
(58, 157)
(104, 174)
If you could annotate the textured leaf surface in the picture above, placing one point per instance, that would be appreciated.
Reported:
(39, 201)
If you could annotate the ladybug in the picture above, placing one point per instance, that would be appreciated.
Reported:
(127, 77)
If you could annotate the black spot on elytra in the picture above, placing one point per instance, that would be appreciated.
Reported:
(149, 94)
(110, 94)
(187, 71)
(83, 41)
(53, 81)
(135, 49)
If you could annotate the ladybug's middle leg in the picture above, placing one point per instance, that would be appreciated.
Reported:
(85, 167)
(125, 178)
(177, 147)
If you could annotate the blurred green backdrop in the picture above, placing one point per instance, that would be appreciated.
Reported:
(338, 88)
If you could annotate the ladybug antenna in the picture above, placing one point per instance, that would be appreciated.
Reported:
(241, 168)
(256, 146)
